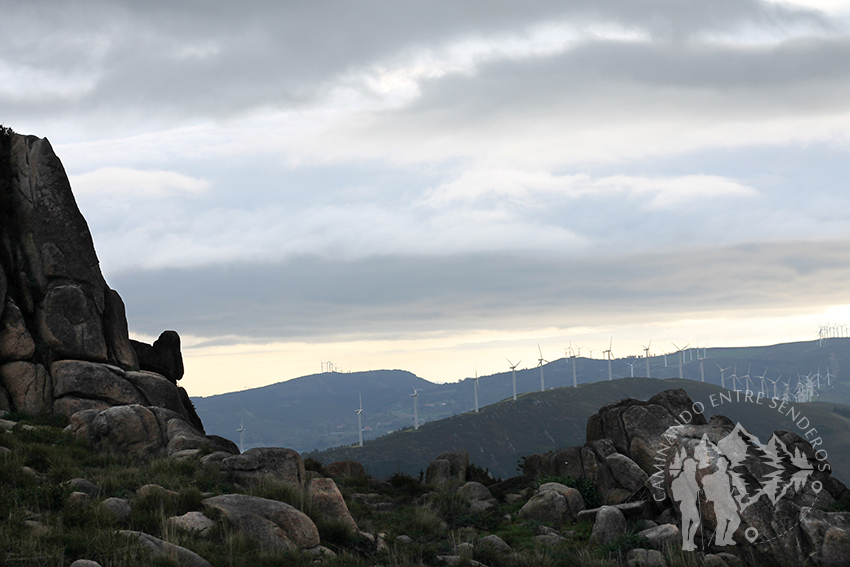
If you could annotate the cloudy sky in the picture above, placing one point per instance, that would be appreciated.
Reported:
(436, 186)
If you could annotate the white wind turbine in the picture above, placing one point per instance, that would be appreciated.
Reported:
(360, 420)
(632, 368)
(415, 396)
(540, 362)
(241, 432)
(476, 390)
(735, 378)
(681, 359)
(722, 376)
(828, 377)
(570, 353)
(763, 383)
(513, 370)
(748, 383)
(608, 350)
(701, 369)
(774, 381)
(646, 355)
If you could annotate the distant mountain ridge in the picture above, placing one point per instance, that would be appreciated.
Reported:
(317, 412)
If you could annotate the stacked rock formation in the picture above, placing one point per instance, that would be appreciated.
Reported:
(630, 455)
(64, 343)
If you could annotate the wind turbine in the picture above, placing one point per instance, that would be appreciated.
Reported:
(701, 369)
(722, 377)
(608, 350)
(241, 432)
(476, 390)
(763, 383)
(540, 362)
(774, 381)
(828, 377)
(513, 370)
(747, 378)
(646, 355)
(632, 368)
(681, 359)
(572, 355)
(360, 420)
(415, 396)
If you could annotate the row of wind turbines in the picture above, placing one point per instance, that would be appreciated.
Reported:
(804, 390)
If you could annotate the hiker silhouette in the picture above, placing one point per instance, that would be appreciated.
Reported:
(686, 492)
(718, 491)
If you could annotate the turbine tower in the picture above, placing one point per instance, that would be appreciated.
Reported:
(572, 355)
(610, 344)
(763, 383)
(540, 362)
(513, 370)
(415, 396)
(241, 432)
(646, 355)
(722, 377)
(681, 360)
(476, 390)
(360, 420)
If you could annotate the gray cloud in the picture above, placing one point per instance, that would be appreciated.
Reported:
(131, 62)
(396, 297)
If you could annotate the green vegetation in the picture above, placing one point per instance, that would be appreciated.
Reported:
(42, 523)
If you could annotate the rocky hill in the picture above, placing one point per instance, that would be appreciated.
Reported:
(502, 433)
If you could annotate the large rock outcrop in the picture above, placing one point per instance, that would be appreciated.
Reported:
(670, 464)
(64, 342)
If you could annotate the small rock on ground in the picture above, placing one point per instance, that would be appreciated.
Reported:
(78, 499)
(183, 556)
(36, 528)
(496, 543)
(731, 560)
(663, 536)
(118, 507)
(320, 553)
(711, 560)
(154, 489)
(85, 563)
(82, 485)
(549, 540)
(192, 522)
(645, 558)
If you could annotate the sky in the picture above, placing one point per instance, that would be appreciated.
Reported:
(437, 186)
